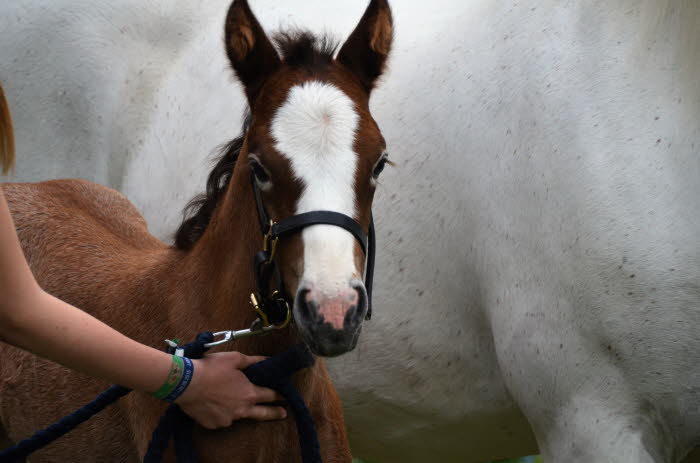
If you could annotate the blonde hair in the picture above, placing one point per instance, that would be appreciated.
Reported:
(7, 138)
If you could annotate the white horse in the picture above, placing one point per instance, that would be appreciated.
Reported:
(538, 279)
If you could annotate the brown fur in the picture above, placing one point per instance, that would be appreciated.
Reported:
(7, 139)
(382, 34)
(242, 42)
(89, 246)
(366, 50)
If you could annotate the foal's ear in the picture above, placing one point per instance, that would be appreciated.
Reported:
(366, 50)
(252, 55)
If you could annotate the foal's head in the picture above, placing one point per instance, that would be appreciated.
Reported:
(312, 145)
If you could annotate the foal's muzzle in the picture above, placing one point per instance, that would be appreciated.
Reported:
(331, 325)
(320, 324)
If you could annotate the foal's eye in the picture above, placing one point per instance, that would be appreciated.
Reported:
(261, 174)
(379, 167)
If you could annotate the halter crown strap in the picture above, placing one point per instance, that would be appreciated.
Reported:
(369, 272)
(263, 217)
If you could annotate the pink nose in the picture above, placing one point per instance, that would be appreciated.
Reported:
(330, 321)
(334, 309)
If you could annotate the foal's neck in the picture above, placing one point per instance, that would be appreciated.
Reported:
(217, 274)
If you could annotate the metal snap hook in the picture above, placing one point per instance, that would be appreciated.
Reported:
(256, 306)
(227, 336)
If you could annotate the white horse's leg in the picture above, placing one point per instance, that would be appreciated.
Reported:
(599, 424)
(581, 405)
(592, 429)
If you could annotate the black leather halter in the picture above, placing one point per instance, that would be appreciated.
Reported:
(272, 304)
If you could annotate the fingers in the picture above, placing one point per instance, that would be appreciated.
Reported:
(263, 394)
(266, 413)
(212, 424)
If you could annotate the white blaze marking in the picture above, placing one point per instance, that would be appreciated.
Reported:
(315, 129)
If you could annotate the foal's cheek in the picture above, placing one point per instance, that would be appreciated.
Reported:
(359, 263)
(291, 264)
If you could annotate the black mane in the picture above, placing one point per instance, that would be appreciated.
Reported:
(298, 48)
(200, 209)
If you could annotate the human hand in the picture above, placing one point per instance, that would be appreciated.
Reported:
(220, 393)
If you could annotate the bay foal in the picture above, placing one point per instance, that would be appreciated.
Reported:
(311, 144)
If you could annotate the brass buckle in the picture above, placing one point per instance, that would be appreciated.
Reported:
(263, 316)
(276, 295)
(270, 243)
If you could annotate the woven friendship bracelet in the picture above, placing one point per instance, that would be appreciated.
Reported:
(185, 379)
(177, 370)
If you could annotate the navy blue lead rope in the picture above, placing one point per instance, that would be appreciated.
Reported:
(63, 426)
(272, 373)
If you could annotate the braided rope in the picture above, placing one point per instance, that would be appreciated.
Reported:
(272, 373)
(65, 425)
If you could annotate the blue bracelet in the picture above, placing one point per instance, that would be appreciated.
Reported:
(184, 381)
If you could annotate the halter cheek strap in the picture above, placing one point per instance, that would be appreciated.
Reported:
(272, 308)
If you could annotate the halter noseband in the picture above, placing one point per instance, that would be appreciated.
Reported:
(272, 305)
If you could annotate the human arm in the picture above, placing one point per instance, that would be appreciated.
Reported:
(34, 320)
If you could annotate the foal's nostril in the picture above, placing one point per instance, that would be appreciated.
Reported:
(302, 293)
(360, 301)
(306, 308)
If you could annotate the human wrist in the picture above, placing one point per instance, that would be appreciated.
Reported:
(178, 379)
(192, 391)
